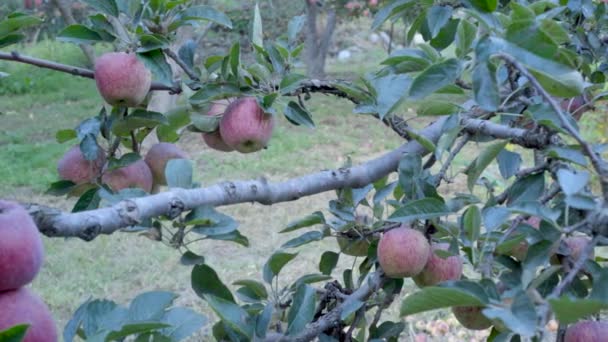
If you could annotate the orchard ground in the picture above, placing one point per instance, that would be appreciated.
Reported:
(35, 103)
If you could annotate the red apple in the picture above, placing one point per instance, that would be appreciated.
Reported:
(245, 127)
(576, 245)
(74, 167)
(157, 158)
(214, 139)
(471, 317)
(21, 250)
(22, 306)
(587, 331)
(122, 79)
(438, 269)
(135, 175)
(403, 252)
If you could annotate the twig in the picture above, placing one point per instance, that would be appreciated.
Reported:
(74, 70)
(444, 168)
(598, 163)
(371, 285)
(578, 265)
(193, 76)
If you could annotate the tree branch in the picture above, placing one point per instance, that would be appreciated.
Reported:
(373, 283)
(193, 76)
(74, 70)
(598, 163)
(87, 225)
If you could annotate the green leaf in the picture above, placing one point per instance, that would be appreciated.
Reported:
(568, 154)
(210, 92)
(558, 79)
(429, 108)
(437, 17)
(328, 262)
(528, 188)
(179, 173)
(485, 87)
(422, 140)
(508, 163)
(150, 306)
(256, 287)
(183, 323)
(149, 42)
(79, 34)
(433, 297)
(201, 13)
(290, 83)
(569, 310)
(235, 58)
(60, 188)
(17, 22)
(205, 281)
(471, 222)
(206, 123)
(138, 119)
(257, 34)
(390, 90)
(421, 209)
(298, 115)
(302, 310)
(232, 315)
(480, 163)
(125, 160)
(303, 239)
(105, 6)
(14, 334)
(434, 78)
(157, 63)
(89, 200)
(208, 221)
(11, 39)
(390, 10)
(275, 263)
(310, 220)
(485, 5)
(572, 182)
(132, 329)
(465, 35)
(190, 259)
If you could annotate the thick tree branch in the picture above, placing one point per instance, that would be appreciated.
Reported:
(87, 225)
(76, 71)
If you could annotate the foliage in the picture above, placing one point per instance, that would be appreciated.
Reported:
(514, 63)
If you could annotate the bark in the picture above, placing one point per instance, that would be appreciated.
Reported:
(317, 45)
(66, 12)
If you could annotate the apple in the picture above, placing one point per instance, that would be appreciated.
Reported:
(22, 306)
(520, 251)
(438, 269)
(576, 245)
(245, 127)
(21, 249)
(157, 158)
(403, 252)
(74, 167)
(587, 331)
(471, 317)
(122, 79)
(214, 139)
(134, 175)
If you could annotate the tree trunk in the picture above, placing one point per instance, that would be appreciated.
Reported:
(318, 46)
(66, 12)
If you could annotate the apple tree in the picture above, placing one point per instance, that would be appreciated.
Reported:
(511, 78)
